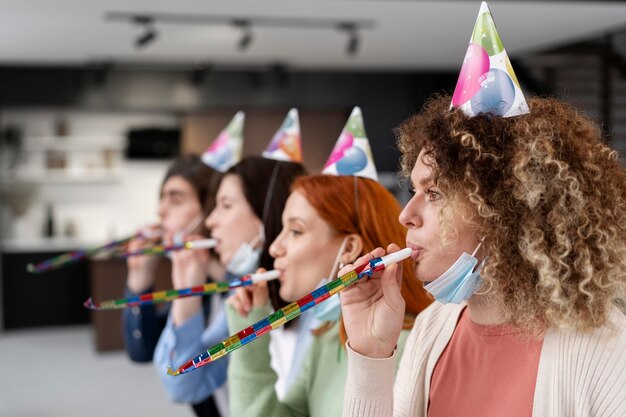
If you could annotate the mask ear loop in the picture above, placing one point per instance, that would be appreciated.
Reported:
(266, 204)
(178, 236)
(480, 265)
(193, 224)
(478, 247)
(333, 270)
(270, 192)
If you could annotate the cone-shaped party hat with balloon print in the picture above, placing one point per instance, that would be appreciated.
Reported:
(286, 143)
(487, 83)
(225, 151)
(352, 154)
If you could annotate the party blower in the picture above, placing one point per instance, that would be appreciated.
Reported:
(80, 255)
(163, 249)
(289, 312)
(169, 295)
(69, 258)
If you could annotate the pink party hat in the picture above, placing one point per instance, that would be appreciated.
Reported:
(286, 143)
(487, 83)
(352, 154)
(225, 151)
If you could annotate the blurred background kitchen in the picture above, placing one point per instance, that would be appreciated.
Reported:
(97, 98)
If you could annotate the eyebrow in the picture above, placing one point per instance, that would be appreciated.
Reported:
(296, 218)
(174, 193)
(426, 180)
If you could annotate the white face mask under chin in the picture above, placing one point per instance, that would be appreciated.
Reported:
(246, 258)
(330, 310)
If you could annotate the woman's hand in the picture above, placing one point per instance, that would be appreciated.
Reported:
(373, 309)
(189, 266)
(246, 298)
(142, 269)
(189, 269)
(215, 269)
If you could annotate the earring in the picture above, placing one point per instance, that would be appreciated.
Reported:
(341, 265)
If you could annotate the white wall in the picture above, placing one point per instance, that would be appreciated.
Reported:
(123, 200)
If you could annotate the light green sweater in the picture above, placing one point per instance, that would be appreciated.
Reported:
(318, 389)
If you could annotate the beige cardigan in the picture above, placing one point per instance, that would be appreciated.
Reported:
(580, 374)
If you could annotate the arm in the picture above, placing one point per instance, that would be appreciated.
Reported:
(142, 327)
(189, 268)
(369, 385)
(179, 343)
(373, 312)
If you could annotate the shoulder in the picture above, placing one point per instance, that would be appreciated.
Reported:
(587, 367)
(600, 348)
(613, 333)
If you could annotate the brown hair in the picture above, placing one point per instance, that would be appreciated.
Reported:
(548, 195)
(375, 220)
(203, 179)
(266, 184)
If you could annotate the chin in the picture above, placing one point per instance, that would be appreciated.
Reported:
(224, 259)
(422, 275)
(286, 296)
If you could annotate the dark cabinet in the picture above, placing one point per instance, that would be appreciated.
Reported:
(52, 298)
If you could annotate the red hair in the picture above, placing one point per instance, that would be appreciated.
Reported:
(376, 222)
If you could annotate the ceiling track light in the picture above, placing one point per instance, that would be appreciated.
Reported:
(352, 28)
(246, 33)
(149, 35)
(354, 41)
(353, 44)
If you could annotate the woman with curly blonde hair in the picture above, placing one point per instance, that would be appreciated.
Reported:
(529, 325)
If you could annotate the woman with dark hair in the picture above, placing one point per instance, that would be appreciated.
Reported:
(187, 194)
(245, 220)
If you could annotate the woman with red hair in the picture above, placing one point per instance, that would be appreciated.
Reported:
(328, 221)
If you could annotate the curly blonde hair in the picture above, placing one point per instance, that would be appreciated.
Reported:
(548, 195)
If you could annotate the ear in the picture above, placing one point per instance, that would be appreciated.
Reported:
(353, 249)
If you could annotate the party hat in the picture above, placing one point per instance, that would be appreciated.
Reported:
(225, 151)
(352, 154)
(487, 83)
(285, 145)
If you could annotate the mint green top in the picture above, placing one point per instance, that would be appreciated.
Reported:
(318, 389)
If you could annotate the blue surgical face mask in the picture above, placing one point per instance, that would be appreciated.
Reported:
(330, 310)
(246, 258)
(459, 282)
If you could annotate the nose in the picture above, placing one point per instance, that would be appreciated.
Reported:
(410, 217)
(276, 248)
(211, 220)
(162, 209)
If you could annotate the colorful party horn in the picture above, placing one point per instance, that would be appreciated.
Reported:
(169, 295)
(163, 249)
(289, 312)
